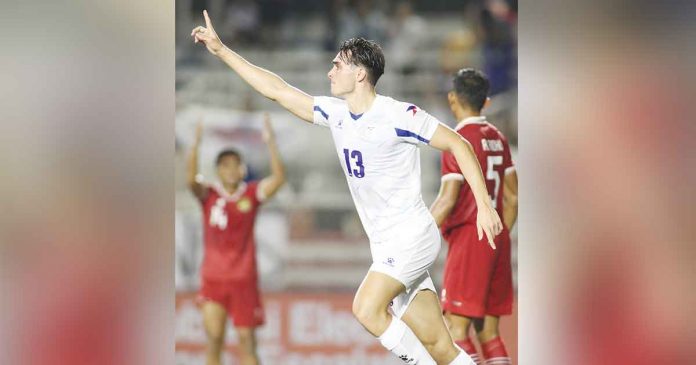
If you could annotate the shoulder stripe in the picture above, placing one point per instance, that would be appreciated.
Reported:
(405, 133)
(317, 108)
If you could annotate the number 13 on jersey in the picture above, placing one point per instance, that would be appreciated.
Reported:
(356, 156)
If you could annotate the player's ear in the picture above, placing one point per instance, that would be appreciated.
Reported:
(361, 74)
(452, 99)
(486, 103)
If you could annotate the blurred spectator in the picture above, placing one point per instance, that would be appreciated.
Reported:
(274, 13)
(407, 33)
(498, 24)
(242, 21)
(456, 52)
(362, 19)
(336, 8)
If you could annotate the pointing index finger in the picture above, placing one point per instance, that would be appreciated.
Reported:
(208, 24)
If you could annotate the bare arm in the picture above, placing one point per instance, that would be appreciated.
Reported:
(265, 82)
(510, 199)
(192, 169)
(487, 219)
(270, 184)
(445, 201)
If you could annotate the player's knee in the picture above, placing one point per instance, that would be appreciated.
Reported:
(458, 326)
(368, 314)
(216, 339)
(247, 342)
(358, 308)
(362, 312)
(440, 348)
(216, 334)
(458, 332)
(487, 334)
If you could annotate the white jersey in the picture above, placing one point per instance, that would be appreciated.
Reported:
(379, 154)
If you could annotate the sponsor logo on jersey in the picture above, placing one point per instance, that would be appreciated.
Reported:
(389, 261)
(412, 108)
(244, 205)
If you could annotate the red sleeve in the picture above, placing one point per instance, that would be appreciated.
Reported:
(507, 157)
(253, 192)
(449, 164)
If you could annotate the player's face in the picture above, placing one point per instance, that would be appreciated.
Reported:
(230, 170)
(342, 76)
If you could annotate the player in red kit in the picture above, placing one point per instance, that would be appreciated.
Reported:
(228, 274)
(477, 285)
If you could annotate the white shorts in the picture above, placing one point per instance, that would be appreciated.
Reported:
(406, 257)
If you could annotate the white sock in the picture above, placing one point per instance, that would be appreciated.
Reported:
(462, 359)
(402, 342)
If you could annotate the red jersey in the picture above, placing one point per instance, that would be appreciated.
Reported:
(493, 154)
(228, 233)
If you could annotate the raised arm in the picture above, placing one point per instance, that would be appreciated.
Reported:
(265, 82)
(510, 199)
(487, 219)
(192, 169)
(270, 184)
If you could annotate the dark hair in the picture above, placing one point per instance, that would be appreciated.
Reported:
(362, 52)
(471, 87)
(225, 153)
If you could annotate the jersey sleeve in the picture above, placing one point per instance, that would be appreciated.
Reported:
(415, 125)
(326, 109)
(508, 164)
(449, 168)
(256, 194)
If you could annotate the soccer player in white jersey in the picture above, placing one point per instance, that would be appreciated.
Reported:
(377, 140)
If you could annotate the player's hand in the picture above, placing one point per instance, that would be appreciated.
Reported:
(267, 133)
(488, 222)
(207, 35)
(199, 132)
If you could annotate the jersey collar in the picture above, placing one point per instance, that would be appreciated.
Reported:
(231, 197)
(481, 119)
(356, 117)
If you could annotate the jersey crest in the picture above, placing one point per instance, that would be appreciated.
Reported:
(244, 205)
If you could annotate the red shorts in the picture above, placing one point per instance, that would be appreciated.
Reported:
(478, 279)
(241, 300)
